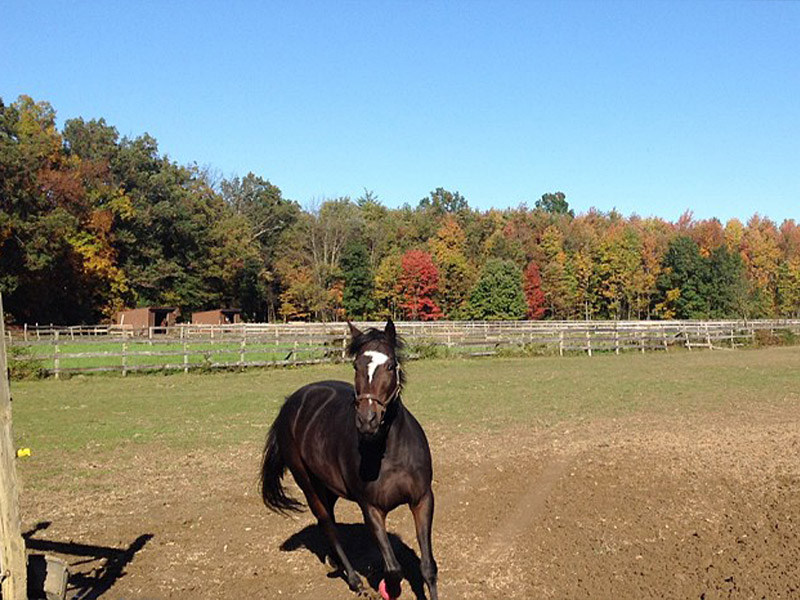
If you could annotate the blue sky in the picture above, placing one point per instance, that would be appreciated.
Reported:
(647, 107)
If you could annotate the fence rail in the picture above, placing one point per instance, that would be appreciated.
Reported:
(82, 349)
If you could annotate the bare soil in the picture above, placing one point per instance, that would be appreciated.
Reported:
(702, 506)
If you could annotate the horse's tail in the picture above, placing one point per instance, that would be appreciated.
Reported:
(272, 469)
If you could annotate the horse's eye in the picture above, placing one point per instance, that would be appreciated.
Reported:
(392, 366)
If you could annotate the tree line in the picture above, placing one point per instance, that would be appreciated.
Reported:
(91, 223)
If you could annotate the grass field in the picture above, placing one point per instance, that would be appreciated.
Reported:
(668, 475)
(141, 353)
(211, 411)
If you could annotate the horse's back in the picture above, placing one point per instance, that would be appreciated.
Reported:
(316, 431)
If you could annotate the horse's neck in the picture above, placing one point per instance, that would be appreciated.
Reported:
(398, 425)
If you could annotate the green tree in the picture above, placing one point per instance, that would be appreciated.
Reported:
(357, 297)
(498, 294)
(684, 281)
(729, 294)
(555, 204)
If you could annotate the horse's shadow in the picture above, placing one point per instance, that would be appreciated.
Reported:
(360, 548)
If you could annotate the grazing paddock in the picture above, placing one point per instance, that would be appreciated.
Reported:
(670, 475)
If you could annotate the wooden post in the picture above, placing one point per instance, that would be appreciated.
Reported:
(56, 360)
(124, 358)
(588, 343)
(561, 343)
(13, 564)
(616, 337)
(185, 357)
(242, 347)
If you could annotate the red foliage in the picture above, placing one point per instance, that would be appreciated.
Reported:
(418, 283)
(532, 286)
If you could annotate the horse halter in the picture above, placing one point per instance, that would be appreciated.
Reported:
(378, 401)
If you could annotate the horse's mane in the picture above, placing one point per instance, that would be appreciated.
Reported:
(357, 344)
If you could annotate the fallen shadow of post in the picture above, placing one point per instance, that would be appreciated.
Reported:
(360, 548)
(91, 585)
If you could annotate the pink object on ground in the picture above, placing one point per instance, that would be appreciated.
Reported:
(384, 592)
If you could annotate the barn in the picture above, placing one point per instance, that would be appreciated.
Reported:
(218, 316)
(149, 316)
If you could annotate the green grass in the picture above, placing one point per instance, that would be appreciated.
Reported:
(202, 353)
(218, 409)
(98, 421)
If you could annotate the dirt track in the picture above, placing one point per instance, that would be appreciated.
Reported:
(692, 506)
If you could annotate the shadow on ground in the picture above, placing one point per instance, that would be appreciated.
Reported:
(93, 569)
(363, 553)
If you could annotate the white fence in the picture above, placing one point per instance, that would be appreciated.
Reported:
(124, 349)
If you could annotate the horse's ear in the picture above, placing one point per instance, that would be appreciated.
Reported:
(354, 331)
(390, 331)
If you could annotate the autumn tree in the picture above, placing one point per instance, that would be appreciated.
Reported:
(558, 281)
(388, 289)
(456, 275)
(532, 287)
(418, 285)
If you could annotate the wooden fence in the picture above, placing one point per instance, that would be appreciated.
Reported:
(80, 349)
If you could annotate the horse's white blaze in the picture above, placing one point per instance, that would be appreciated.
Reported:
(376, 359)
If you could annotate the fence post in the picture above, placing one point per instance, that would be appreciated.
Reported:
(13, 563)
(185, 357)
(588, 343)
(242, 347)
(56, 360)
(124, 358)
(25, 332)
(561, 343)
(616, 337)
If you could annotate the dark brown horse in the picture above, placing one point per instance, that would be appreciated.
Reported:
(360, 443)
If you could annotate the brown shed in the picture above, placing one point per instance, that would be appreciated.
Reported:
(149, 316)
(219, 316)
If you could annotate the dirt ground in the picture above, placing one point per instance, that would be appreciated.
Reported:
(699, 506)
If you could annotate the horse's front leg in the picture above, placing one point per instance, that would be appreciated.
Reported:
(375, 519)
(423, 521)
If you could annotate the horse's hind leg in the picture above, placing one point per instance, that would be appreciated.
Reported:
(322, 507)
(423, 521)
